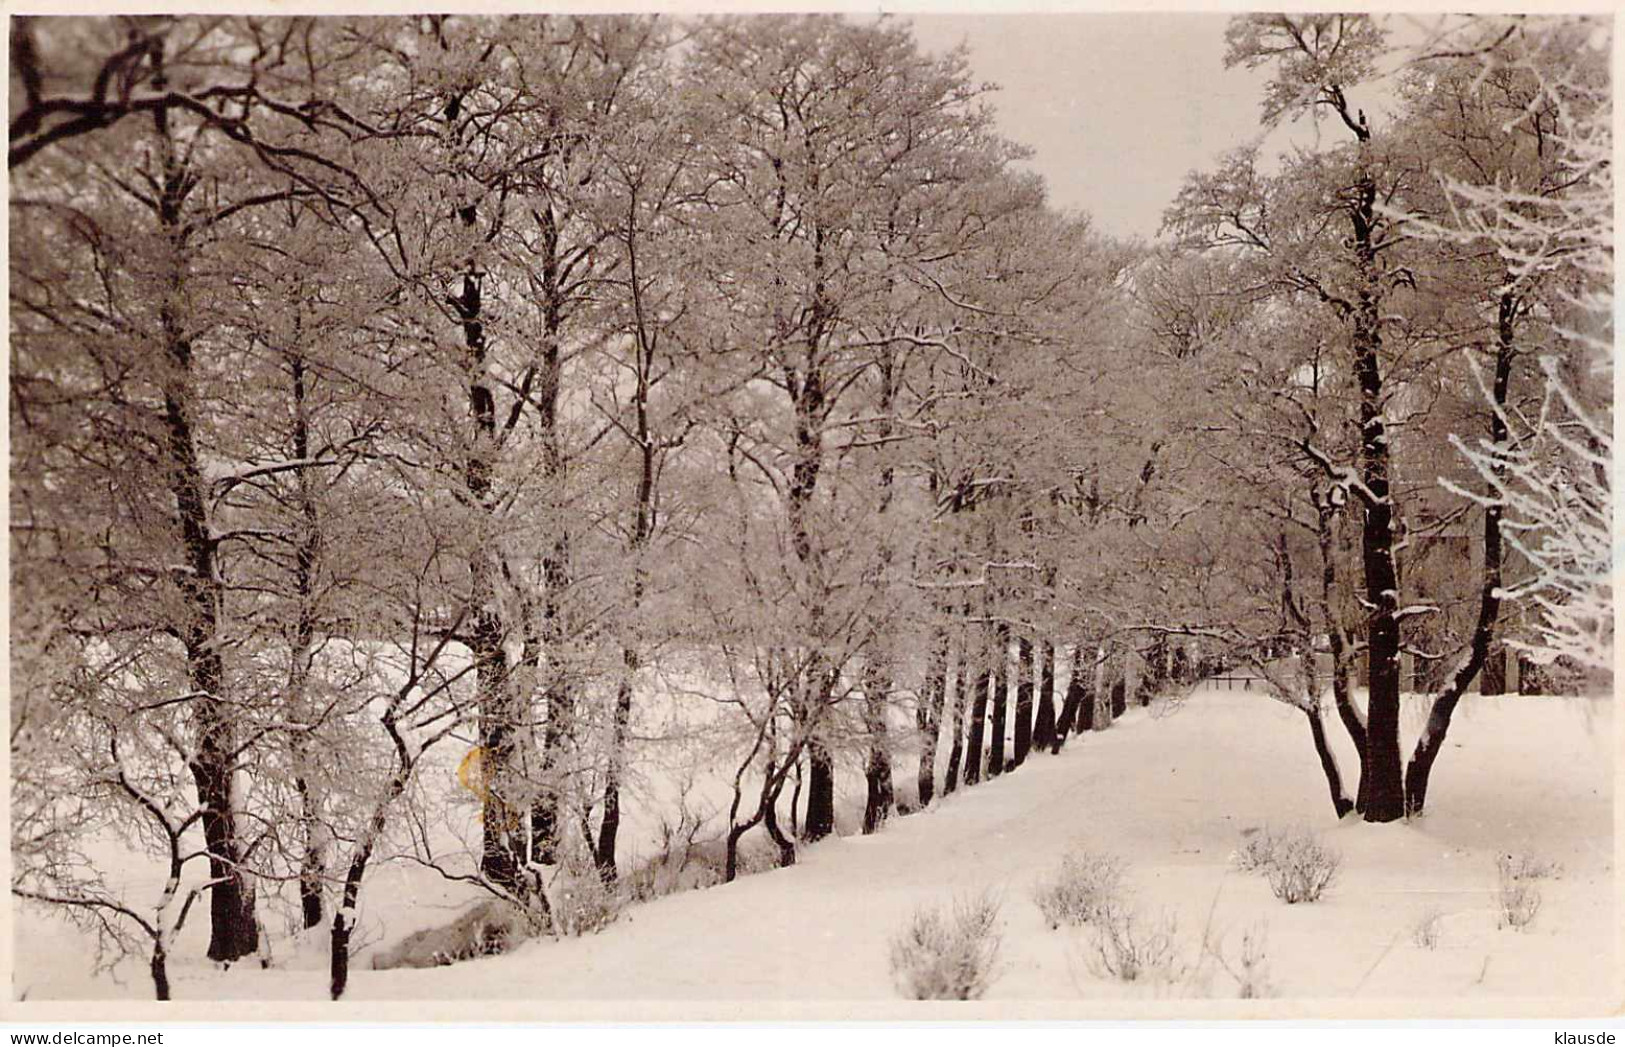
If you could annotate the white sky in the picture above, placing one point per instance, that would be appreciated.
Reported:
(1117, 107)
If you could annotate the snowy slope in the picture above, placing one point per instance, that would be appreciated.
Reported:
(1170, 790)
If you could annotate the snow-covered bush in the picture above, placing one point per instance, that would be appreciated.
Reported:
(1256, 850)
(1299, 867)
(1425, 933)
(1081, 891)
(1518, 902)
(1517, 898)
(1129, 948)
(948, 954)
(583, 904)
(663, 874)
(1250, 966)
(493, 926)
(1527, 867)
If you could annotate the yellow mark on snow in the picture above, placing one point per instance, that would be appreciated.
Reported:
(471, 773)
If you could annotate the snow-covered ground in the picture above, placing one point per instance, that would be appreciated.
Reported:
(1170, 790)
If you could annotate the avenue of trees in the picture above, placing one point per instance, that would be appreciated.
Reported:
(388, 389)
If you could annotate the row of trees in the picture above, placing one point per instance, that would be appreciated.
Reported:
(383, 384)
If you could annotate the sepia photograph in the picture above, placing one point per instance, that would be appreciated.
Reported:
(837, 514)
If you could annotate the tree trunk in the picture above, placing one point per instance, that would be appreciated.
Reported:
(557, 690)
(958, 712)
(928, 716)
(999, 686)
(1382, 780)
(1431, 742)
(879, 798)
(1044, 727)
(1071, 705)
(234, 932)
(159, 968)
(1181, 665)
(642, 530)
(1156, 670)
(307, 553)
(820, 820)
(1084, 667)
(1119, 698)
(1328, 762)
(770, 822)
(1303, 649)
(981, 690)
(610, 824)
(1493, 678)
(1025, 671)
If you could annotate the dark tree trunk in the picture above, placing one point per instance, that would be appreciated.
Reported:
(502, 848)
(1431, 742)
(350, 891)
(557, 685)
(610, 824)
(820, 820)
(999, 685)
(1044, 729)
(307, 554)
(1024, 702)
(879, 798)
(1337, 637)
(1328, 763)
(928, 716)
(1156, 670)
(1083, 668)
(958, 711)
(234, 932)
(1119, 697)
(1181, 667)
(1070, 705)
(980, 691)
(770, 822)
(1492, 680)
(159, 967)
(338, 962)
(558, 698)
(1303, 650)
(1531, 682)
(313, 865)
(642, 530)
(1382, 778)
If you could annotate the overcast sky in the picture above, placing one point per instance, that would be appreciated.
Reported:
(1117, 108)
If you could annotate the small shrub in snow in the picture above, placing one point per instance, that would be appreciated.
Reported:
(1299, 867)
(664, 873)
(1256, 850)
(948, 954)
(1081, 890)
(1516, 896)
(1526, 867)
(1519, 902)
(1426, 931)
(1250, 967)
(583, 904)
(1129, 948)
(493, 926)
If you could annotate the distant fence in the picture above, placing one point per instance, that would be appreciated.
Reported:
(1231, 681)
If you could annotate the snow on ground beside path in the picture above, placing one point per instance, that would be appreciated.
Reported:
(1170, 790)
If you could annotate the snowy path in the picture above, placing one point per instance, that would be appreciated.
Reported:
(1171, 794)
